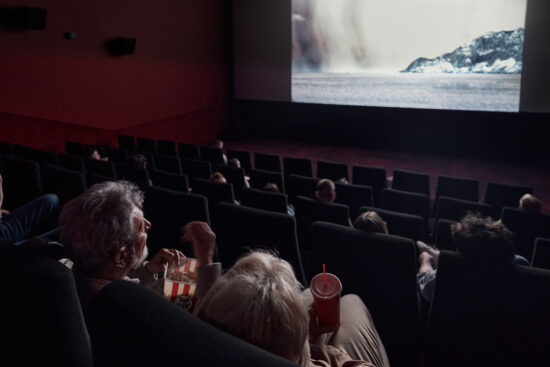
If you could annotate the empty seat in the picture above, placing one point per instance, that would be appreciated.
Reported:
(216, 192)
(6, 148)
(241, 228)
(298, 166)
(265, 200)
(243, 156)
(456, 209)
(188, 151)
(168, 211)
(66, 184)
(405, 202)
(541, 253)
(332, 170)
(411, 181)
(354, 196)
(72, 162)
(127, 142)
(171, 181)
(374, 177)
(526, 227)
(485, 315)
(116, 155)
(499, 195)
(443, 235)
(458, 188)
(146, 145)
(21, 181)
(267, 162)
(45, 157)
(167, 163)
(74, 147)
(301, 186)
(381, 269)
(258, 179)
(166, 147)
(94, 178)
(24, 152)
(401, 224)
(212, 154)
(196, 168)
(104, 168)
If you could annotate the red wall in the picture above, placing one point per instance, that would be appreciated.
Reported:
(174, 86)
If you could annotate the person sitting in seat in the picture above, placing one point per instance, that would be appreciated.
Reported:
(260, 301)
(32, 219)
(105, 235)
(219, 144)
(218, 177)
(529, 204)
(370, 221)
(92, 153)
(326, 191)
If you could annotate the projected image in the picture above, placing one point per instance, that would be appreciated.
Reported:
(444, 54)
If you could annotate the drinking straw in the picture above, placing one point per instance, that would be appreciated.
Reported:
(324, 274)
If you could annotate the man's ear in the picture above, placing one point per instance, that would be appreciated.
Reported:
(317, 194)
(333, 196)
(122, 257)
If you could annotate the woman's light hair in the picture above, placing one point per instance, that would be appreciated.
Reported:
(259, 300)
(96, 224)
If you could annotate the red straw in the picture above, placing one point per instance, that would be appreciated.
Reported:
(324, 274)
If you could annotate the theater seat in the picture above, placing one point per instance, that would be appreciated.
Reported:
(131, 326)
(541, 253)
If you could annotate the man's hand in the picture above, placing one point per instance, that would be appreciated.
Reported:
(164, 258)
(202, 239)
(315, 327)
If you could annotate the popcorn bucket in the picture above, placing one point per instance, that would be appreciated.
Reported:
(180, 283)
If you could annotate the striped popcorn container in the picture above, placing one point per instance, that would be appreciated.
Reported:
(180, 283)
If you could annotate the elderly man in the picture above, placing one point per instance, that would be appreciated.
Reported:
(105, 234)
(326, 190)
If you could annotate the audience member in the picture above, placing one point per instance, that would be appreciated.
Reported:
(92, 153)
(219, 144)
(105, 235)
(259, 300)
(271, 187)
(480, 239)
(32, 219)
(529, 204)
(234, 162)
(326, 190)
(370, 221)
(342, 180)
(139, 161)
(218, 177)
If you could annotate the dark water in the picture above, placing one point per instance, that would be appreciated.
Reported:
(481, 92)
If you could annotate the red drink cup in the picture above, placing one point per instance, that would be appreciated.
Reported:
(326, 298)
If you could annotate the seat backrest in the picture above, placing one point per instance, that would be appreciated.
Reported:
(72, 162)
(300, 186)
(443, 235)
(196, 168)
(103, 168)
(381, 269)
(354, 196)
(168, 211)
(146, 145)
(411, 181)
(94, 178)
(499, 195)
(526, 227)
(332, 170)
(6, 148)
(260, 177)
(211, 154)
(267, 162)
(66, 184)
(541, 253)
(456, 209)
(168, 163)
(188, 151)
(485, 315)
(401, 224)
(41, 318)
(233, 175)
(374, 177)
(139, 176)
(21, 181)
(265, 200)
(117, 155)
(458, 188)
(74, 147)
(243, 156)
(215, 192)
(298, 166)
(45, 157)
(241, 228)
(171, 181)
(405, 202)
(124, 332)
(166, 147)
(127, 142)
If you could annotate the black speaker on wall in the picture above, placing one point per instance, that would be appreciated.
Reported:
(23, 17)
(121, 46)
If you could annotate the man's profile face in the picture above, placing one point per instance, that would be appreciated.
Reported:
(141, 226)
